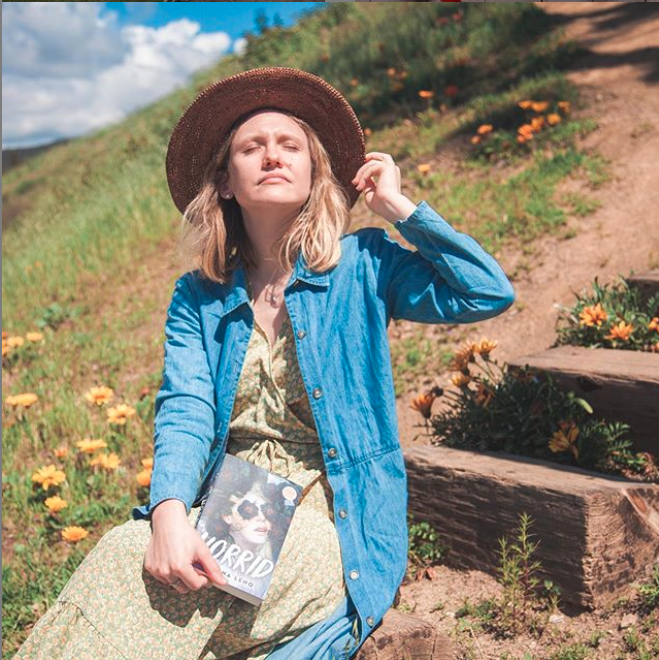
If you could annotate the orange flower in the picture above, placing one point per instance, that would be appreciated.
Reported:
(48, 476)
(144, 478)
(354, 82)
(592, 315)
(475, 139)
(460, 379)
(5, 347)
(565, 438)
(426, 94)
(391, 72)
(424, 168)
(55, 504)
(537, 123)
(462, 357)
(620, 331)
(423, 403)
(74, 534)
(26, 399)
(147, 463)
(525, 105)
(654, 324)
(521, 139)
(553, 118)
(99, 395)
(61, 452)
(368, 131)
(15, 341)
(451, 90)
(564, 106)
(34, 336)
(88, 446)
(119, 414)
(484, 347)
(484, 128)
(539, 106)
(526, 130)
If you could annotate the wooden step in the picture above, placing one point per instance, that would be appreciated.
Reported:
(619, 385)
(647, 283)
(403, 636)
(597, 534)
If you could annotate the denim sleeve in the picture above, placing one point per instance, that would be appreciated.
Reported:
(184, 423)
(449, 278)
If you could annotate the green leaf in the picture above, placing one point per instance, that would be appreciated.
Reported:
(584, 404)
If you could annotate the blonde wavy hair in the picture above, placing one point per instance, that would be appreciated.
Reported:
(212, 234)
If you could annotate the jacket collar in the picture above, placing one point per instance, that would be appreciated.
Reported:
(236, 293)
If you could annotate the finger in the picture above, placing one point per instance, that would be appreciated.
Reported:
(387, 157)
(180, 587)
(192, 579)
(372, 169)
(209, 565)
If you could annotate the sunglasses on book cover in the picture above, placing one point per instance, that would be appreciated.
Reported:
(249, 510)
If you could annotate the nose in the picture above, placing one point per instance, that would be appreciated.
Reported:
(272, 154)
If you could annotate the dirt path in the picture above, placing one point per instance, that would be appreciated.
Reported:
(619, 78)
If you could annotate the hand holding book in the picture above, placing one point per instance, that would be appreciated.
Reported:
(176, 552)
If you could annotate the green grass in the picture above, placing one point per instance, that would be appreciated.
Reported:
(82, 261)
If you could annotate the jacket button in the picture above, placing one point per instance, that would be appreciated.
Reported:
(342, 513)
(301, 334)
(317, 393)
(354, 575)
(370, 620)
(331, 452)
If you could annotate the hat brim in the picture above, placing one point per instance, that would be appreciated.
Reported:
(213, 113)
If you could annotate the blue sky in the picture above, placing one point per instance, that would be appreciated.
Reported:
(71, 68)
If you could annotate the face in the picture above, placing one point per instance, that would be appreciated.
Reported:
(269, 143)
(248, 521)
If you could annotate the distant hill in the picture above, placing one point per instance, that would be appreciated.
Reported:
(13, 157)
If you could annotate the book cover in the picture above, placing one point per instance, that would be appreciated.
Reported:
(244, 521)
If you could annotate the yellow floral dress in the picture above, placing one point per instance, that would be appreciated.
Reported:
(114, 609)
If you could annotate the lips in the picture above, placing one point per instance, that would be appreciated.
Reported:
(274, 177)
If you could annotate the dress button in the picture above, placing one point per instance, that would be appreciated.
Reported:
(342, 513)
(301, 334)
(370, 620)
(331, 452)
(317, 393)
(354, 575)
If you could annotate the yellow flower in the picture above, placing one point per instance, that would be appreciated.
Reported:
(426, 94)
(460, 380)
(34, 336)
(553, 118)
(564, 106)
(99, 395)
(15, 341)
(26, 399)
(5, 347)
(565, 438)
(525, 105)
(107, 461)
(88, 446)
(61, 452)
(620, 331)
(539, 106)
(119, 414)
(55, 503)
(484, 128)
(147, 463)
(594, 315)
(74, 534)
(144, 478)
(424, 168)
(484, 347)
(48, 476)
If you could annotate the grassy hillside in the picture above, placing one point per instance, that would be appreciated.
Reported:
(88, 246)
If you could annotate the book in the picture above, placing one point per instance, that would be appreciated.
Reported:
(244, 521)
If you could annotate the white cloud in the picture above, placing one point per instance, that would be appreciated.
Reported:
(69, 67)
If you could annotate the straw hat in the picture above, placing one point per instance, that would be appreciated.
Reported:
(214, 112)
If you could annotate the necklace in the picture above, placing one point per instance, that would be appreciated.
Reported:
(271, 293)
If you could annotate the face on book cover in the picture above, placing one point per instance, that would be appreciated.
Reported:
(252, 527)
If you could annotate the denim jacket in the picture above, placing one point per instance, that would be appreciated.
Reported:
(339, 320)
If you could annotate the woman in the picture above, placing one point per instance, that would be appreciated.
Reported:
(277, 352)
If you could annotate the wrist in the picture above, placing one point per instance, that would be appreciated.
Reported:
(398, 207)
(170, 508)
